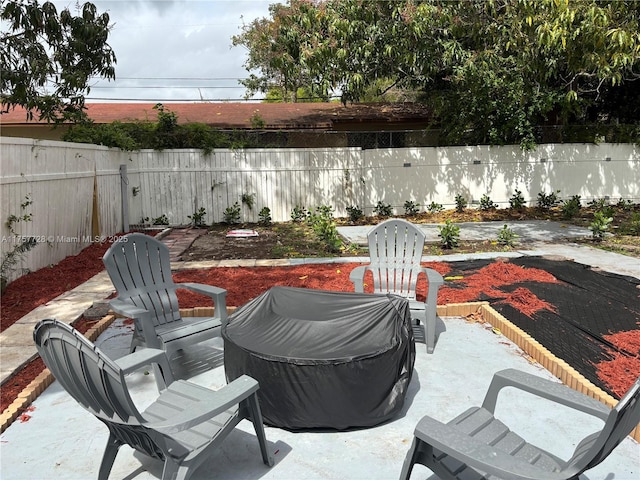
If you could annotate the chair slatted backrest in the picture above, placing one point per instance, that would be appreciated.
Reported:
(139, 268)
(395, 249)
(86, 373)
(624, 417)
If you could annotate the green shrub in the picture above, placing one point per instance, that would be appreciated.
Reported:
(299, 213)
(571, 207)
(599, 226)
(548, 201)
(232, 214)
(449, 235)
(161, 220)
(382, 209)
(632, 227)
(411, 208)
(197, 219)
(264, 217)
(355, 213)
(598, 203)
(507, 237)
(517, 202)
(323, 225)
(626, 205)
(248, 199)
(435, 207)
(486, 203)
(461, 203)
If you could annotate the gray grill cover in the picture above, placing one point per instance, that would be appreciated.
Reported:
(323, 359)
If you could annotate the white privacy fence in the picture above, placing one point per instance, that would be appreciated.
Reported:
(76, 190)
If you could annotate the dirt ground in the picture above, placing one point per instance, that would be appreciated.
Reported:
(296, 240)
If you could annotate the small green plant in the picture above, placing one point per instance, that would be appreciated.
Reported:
(411, 207)
(517, 202)
(25, 217)
(608, 210)
(546, 201)
(135, 191)
(449, 235)
(248, 199)
(23, 244)
(461, 203)
(231, 214)
(355, 213)
(598, 203)
(323, 225)
(264, 217)
(299, 213)
(626, 205)
(599, 226)
(435, 207)
(486, 203)
(144, 220)
(197, 219)
(571, 207)
(631, 227)
(507, 237)
(382, 209)
(257, 121)
(161, 220)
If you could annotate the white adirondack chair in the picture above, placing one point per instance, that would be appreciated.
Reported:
(395, 250)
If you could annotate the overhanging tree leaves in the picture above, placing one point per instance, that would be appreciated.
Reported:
(47, 58)
(492, 70)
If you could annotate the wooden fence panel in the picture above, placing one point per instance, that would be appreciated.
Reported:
(59, 179)
(52, 183)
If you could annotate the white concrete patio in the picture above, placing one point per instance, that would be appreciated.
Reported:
(61, 440)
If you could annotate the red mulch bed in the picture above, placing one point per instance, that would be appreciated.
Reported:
(243, 284)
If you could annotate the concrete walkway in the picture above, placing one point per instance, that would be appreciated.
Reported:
(17, 343)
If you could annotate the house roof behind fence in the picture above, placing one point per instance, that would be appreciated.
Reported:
(235, 115)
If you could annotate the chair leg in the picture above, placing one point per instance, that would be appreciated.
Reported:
(110, 452)
(430, 334)
(421, 453)
(409, 460)
(256, 417)
(174, 471)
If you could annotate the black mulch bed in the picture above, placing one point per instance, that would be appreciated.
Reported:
(589, 304)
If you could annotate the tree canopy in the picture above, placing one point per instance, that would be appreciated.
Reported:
(492, 70)
(48, 57)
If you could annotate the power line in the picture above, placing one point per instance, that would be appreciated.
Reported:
(164, 86)
(174, 78)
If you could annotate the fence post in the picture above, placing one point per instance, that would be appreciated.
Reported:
(124, 182)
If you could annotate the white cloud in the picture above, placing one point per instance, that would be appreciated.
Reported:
(176, 44)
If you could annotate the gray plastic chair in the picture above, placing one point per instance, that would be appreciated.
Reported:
(181, 427)
(139, 268)
(476, 445)
(395, 250)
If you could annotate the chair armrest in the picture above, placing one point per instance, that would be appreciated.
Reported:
(551, 390)
(210, 403)
(433, 277)
(146, 356)
(127, 309)
(217, 294)
(477, 454)
(357, 278)
(140, 316)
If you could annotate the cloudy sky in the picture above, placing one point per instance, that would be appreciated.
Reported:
(175, 49)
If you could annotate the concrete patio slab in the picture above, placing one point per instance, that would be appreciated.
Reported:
(59, 439)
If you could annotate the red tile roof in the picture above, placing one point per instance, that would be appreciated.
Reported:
(239, 115)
